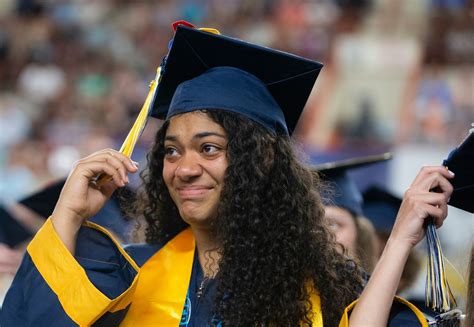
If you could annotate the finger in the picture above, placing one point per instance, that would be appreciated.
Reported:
(427, 170)
(91, 169)
(436, 214)
(434, 181)
(431, 198)
(129, 164)
(117, 164)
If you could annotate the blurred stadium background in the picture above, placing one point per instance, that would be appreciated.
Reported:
(398, 76)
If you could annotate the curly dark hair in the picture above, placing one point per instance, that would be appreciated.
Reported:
(273, 242)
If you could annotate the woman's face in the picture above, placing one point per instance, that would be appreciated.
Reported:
(343, 226)
(194, 165)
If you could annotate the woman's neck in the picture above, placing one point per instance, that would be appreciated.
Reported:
(208, 253)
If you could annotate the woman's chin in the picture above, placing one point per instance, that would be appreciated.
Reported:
(195, 218)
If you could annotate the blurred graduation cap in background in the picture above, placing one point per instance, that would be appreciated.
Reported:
(343, 192)
(381, 207)
(42, 203)
(12, 232)
(461, 162)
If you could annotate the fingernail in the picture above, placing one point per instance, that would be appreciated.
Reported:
(136, 163)
(451, 173)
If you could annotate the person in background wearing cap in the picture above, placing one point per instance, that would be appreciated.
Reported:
(381, 208)
(343, 210)
(235, 233)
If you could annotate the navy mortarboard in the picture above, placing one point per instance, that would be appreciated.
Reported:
(461, 162)
(381, 207)
(210, 71)
(343, 190)
(12, 232)
(44, 201)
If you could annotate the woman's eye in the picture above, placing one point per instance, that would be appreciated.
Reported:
(170, 151)
(208, 148)
(334, 226)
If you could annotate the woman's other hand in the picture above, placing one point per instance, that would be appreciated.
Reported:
(426, 198)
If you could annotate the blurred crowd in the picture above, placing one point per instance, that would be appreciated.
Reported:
(74, 74)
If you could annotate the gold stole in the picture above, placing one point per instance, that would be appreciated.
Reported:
(163, 284)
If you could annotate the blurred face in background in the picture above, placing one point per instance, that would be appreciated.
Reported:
(342, 224)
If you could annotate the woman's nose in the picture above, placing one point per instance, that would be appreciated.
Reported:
(188, 167)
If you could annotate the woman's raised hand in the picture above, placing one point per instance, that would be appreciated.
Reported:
(427, 197)
(82, 196)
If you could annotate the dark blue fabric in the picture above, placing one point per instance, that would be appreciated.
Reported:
(30, 301)
(288, 78)
(230, 89)
(140, 253)
(105, 266)
(402, 316)
(12, 232)
(381, 207)
(343, 192)
(199, 302)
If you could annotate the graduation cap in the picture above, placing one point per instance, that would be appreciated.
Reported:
(44, 201)
(461, 162)
(210, 71)
(207, 71)
(344, 192)
(12, 232)
(381, 207)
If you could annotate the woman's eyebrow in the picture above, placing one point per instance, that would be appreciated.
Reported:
(205, 134)
(174, 138)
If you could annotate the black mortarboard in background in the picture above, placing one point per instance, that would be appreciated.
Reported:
(381, 207)
(288, 78)
(44, 201)
(111, 216)
(461, 162)
(343, 191)
(12, 232)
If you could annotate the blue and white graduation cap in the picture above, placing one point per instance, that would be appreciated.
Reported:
(381, 207)
(205, 70)
(343, 191)
(461, 162)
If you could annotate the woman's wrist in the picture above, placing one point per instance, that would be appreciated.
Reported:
(397, 247)
(67, 225)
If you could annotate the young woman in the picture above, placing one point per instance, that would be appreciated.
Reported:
(235, 233)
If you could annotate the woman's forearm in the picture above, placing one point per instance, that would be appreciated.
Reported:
(377, 296)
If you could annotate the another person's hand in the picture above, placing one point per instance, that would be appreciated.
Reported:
(10, 259)
(426, 198)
